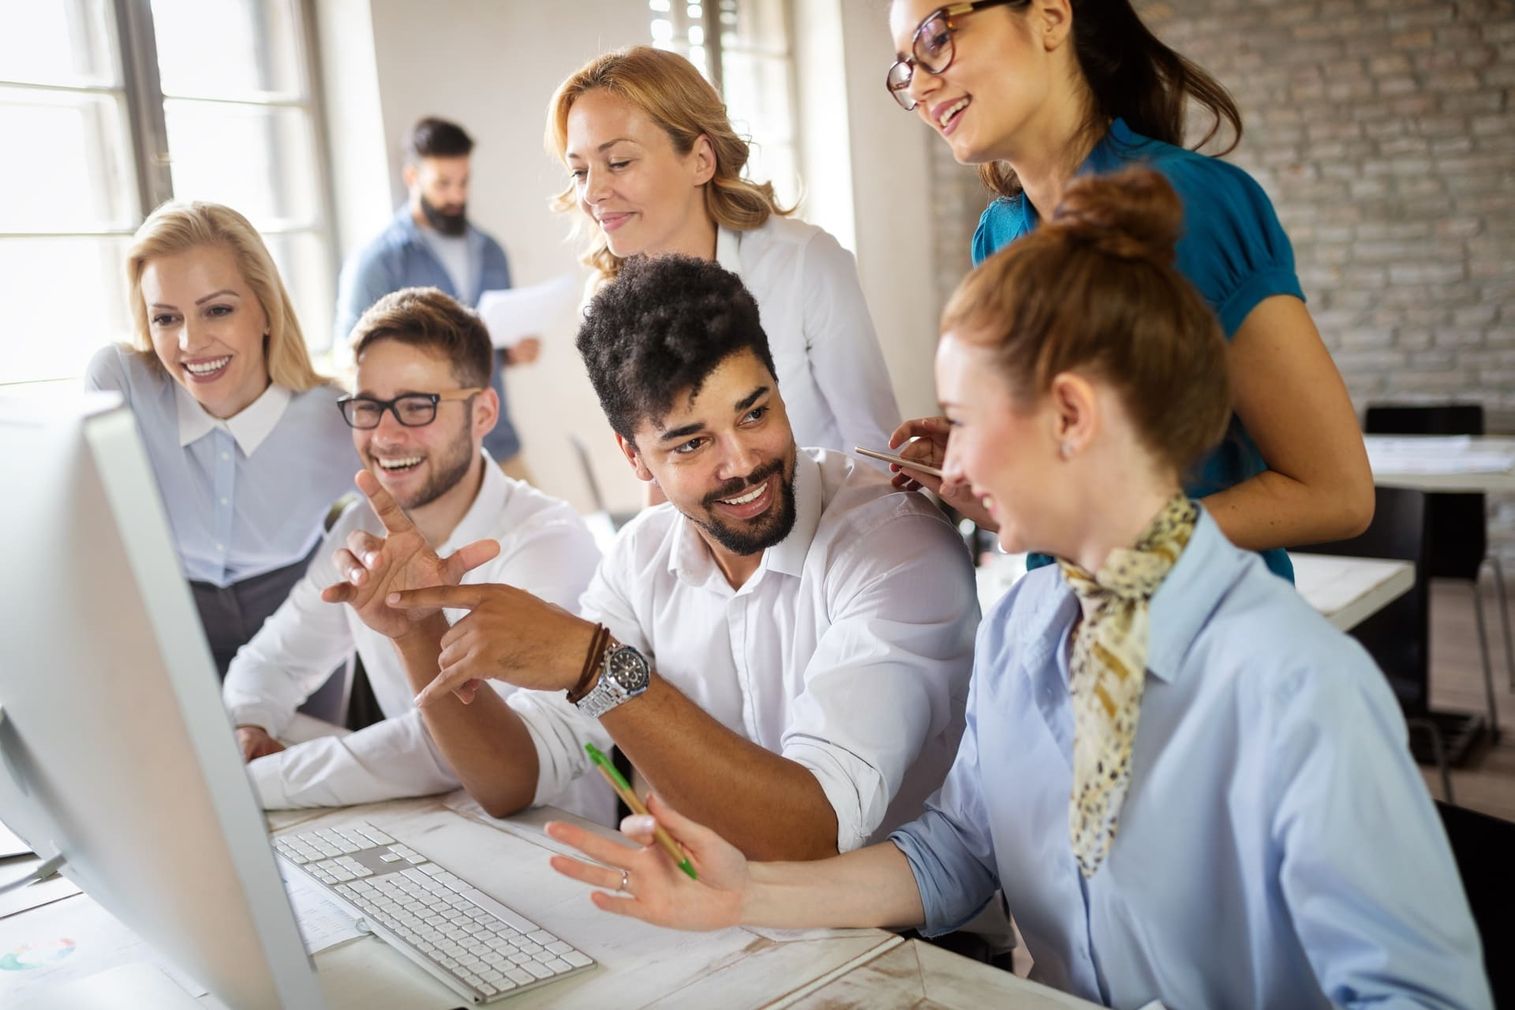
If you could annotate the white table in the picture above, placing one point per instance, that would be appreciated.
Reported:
(1468, 464)
(638, 965)
(1345, 590)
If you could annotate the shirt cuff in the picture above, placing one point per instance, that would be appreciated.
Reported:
(273, 721)
(267, 777)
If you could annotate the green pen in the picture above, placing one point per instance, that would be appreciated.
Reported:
(623, 790)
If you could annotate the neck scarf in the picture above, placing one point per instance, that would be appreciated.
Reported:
(1108, 673)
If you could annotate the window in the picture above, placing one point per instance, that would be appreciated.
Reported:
(749, 61)
(117, 105)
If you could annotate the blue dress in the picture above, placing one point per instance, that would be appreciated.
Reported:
(1233, 250)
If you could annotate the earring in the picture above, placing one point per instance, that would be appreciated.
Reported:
(1065, 450)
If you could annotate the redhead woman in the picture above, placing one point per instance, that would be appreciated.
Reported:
(244, 437)
(656, 168)
(1036, 92)
(1190, 787)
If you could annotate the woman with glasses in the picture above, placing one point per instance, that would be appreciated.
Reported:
(1036, 92)
(1189, 786)
(656, 168)
(244, 437)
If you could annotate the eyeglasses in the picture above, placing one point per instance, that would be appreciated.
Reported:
(931, 47)
(413, 410)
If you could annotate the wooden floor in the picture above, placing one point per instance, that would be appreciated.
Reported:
(1488, 782)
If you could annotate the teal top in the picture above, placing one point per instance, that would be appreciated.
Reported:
(1233, 250)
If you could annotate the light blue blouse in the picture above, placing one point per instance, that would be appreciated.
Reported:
(1233, 250)
(1277, 847)
(235, 514)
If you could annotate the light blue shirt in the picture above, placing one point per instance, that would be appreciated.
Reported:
(243, 497)
(1277, 847)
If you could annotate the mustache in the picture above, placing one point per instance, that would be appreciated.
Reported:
(738, 485)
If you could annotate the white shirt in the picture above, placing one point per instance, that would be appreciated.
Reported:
(544, 548)
(831, 372)
(848, 651)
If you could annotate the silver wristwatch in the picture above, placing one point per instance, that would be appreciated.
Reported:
(623, 675)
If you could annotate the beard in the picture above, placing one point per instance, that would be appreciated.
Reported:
(448, 467)
(763, 531)
(448, 223)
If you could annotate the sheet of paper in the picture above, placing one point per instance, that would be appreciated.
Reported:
(1432, 454)
(39, 892)
(517, 313)
(323, 923)
(11, 845)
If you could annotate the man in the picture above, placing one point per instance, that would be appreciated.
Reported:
(422, 408)
(430, 243)
(790, 638)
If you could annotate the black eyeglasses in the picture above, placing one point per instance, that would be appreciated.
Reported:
(413, 410)
(931, 47)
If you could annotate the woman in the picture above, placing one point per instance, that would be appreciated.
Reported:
(1237, 824)
(245, 439)
(1035, 92)
(656, 168)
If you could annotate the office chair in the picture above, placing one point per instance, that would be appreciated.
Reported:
(1457, 531)
(1482, 845)
(1398, 635)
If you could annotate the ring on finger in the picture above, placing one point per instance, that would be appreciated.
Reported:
(625, 885)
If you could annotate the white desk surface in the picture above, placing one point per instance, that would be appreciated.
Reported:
(916, 975)
(1454, 463)
(638, 965)
(1345, 590)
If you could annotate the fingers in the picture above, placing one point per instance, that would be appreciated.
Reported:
(383, 504)
(433, 597)
(684, 831)
(933, 428)
(596, 847)
(589, 873)
(468, 557)
(639, 828)
(448, 681)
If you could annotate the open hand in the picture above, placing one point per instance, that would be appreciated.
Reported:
(375, 567)
(657, 891)
(925, 439)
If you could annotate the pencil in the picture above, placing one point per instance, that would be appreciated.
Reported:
(623, 790)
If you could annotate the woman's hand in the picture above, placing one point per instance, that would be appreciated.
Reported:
(656, 890)
(925, 439)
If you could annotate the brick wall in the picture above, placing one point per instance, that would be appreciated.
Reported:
(1384, 131)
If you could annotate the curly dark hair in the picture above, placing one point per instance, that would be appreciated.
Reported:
(659, 329)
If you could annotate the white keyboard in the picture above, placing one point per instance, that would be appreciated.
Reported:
(476, 946)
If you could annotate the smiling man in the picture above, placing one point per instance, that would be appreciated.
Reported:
(783, 646)
(422, 408)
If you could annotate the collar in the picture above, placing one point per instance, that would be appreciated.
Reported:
(249, 428)
(690, 558)
(1110, 154)
(482, 520)
(728, 250)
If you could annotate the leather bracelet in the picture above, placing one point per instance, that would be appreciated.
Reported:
(591, 663)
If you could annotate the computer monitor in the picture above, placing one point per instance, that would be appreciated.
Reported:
(115, 751)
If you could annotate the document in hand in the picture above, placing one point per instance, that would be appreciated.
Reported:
(514, 314)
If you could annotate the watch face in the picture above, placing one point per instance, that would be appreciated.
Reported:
(629, 668)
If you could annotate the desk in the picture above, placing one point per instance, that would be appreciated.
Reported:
(1345, 590)
(638, 965)
(918, 976)
(1467, 464)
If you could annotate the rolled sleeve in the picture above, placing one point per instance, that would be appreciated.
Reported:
(388, 760)
(949, 847)
(888, 676)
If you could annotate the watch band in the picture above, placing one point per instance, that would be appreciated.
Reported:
(624, 675)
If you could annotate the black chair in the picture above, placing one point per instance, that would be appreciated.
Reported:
(1398, 635)
(1482, 845)
(1457, 532)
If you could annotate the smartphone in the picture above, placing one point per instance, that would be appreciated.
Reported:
(889, 457)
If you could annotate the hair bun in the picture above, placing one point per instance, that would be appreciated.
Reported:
(1132, 214)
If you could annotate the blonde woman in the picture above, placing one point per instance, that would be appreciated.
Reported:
(656, 168)
(244, 436)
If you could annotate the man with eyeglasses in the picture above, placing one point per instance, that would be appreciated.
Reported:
(422, 408)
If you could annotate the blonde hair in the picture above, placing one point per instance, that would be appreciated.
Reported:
(672, 93)
(178, 226)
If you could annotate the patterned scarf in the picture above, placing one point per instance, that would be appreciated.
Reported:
(1108, 674)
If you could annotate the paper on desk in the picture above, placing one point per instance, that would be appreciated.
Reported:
(1431, 454)
(11, 845)
(514, 314)
(323, 923)
(39, 892)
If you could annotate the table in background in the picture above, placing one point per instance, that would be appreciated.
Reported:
(1456, 464)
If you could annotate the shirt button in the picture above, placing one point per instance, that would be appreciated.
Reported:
(225, 501)
(226, 455)
(220, 547)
